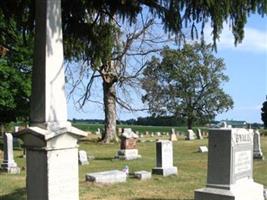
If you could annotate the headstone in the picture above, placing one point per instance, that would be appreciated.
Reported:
(190, 135)
(50, 140)
(203, 149)
(142, 175)
(146, 133)
(164, 164)
(173, 136)
(230, 167)
(257, 152)
(158, 134)
(98, 132)
(83, 159)
(119, 131)
(199, 134)
(9, 165)
(113, 176)
(141, 135)
(152, 134)
(16, 129)
(128, 147)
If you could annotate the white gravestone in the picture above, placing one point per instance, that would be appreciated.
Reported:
(9, 165)
(257, 152)
(199, 134)
(203, 149)
(173, 136)
(164, 159)
(230, 167)
(142, 175)
(112, 176)
(190, 135)
(50, 140)
(83, 159)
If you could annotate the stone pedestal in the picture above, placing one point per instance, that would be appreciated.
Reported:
(9, 165)
(52, 163)
(230, 164)
(257, 152)
(164, 163)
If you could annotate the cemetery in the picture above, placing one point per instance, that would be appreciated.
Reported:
(52, 159)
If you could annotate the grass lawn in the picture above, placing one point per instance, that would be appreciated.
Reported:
(192, 169)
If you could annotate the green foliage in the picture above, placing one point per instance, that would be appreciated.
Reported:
(15, 72)
(186, 83)
(264, 114)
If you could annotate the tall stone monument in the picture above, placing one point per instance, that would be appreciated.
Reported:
(230, 167)
(50, 140)
(257, 152)
(164, 159)
(9, 165)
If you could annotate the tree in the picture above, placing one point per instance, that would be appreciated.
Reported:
(264, 113)
(15, 72)
(186, 83)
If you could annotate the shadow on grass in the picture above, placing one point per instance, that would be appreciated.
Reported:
(18, 194)
(104, 158)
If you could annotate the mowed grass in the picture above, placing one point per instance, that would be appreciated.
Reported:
(192, 170)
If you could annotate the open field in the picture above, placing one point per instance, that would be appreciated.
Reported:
(141, 129)
(192, 169)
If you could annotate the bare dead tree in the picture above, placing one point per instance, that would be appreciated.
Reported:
(134, 45)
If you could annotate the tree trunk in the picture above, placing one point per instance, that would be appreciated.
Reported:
(189, 123)
(109, 95)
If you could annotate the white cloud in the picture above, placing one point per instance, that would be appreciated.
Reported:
(254, 41)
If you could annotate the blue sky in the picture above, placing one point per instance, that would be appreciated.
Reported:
(246, 66)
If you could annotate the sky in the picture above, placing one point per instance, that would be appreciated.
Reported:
(246, 67)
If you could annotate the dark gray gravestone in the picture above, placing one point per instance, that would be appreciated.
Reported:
(230, 167)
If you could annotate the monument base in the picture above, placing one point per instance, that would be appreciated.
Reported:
(10, 168)
(165, 171)
(244, 190)
(128, 154)
(258, 155)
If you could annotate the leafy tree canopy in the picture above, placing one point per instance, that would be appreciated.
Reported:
(175, 15)
(186, 83)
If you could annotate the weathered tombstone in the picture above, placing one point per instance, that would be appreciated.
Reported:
(128, 148)
(203, 149)
(146, 133)
(9, 165)
(230, 164)
(158, 134)
(257, 152)
(199, 134)
(142, 175)
(190, 135)
(164, 164)
(152, 134)
(83, 159)
(50, 140)
(16, 129)
(173, 136)
(98, 132)
(112, 176)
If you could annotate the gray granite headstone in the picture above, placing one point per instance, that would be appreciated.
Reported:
(83, 159)
(257, 152)
(112, 176)
(9, 165)
(164, 159)
(230, 167)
